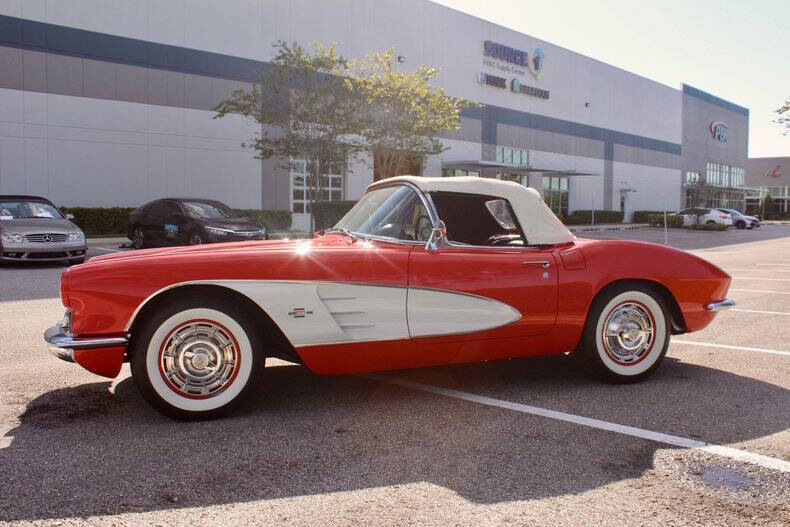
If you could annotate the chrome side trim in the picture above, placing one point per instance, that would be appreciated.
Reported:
(56, 337)
(719, 306)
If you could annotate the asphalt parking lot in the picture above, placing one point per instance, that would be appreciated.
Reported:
(705, 441)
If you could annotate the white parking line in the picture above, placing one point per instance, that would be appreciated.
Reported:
(759, 311)
(760, 278)
(773, 265)
(762, 291)
(106, 249)
(729, 347)
(682, 442)
(772, 270)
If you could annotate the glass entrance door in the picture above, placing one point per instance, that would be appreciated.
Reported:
(555, 194)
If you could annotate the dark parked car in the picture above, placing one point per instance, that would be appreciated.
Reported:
(187, 221)
(740, 220)
(33, 229)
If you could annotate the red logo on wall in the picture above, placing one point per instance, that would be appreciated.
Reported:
(775, 173)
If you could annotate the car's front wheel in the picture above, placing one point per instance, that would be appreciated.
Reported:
(196, 358)
(626, 335)
(195, 239)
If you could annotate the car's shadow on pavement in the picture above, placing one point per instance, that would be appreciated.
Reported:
(84, 450)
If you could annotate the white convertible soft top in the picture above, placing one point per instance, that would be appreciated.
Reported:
(540, 225)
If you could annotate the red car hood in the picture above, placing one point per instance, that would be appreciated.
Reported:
(264, 245)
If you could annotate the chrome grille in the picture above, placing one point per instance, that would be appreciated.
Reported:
(46, 237)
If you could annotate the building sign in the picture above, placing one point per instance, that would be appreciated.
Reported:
(775, 173)
(492, 80)
(517, 87)
(532, 60)
(719, 131)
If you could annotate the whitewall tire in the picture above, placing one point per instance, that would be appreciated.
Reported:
(196, 358)
(626, 335)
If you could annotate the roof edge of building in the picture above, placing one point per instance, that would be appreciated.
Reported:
(718, 101)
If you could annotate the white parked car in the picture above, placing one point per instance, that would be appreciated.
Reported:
(705, 215)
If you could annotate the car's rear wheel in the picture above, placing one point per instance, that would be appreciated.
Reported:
(197, 358)
(138, 238)
(195, 239)
(626, 335)
(710, 222)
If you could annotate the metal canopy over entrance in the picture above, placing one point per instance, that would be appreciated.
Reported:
(553, 184)
(494, 167)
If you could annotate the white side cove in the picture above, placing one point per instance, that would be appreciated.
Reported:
(312, 313)
(432, 312)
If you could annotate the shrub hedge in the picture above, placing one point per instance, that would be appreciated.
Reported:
(327, 213)
(640, 216)
(97, 220)
(657, 220)
(709, 227)
(274, 220)
(115, 220)
(584, 217)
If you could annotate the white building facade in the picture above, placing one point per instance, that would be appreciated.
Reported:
(109, 103)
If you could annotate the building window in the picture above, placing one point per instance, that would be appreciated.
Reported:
(331, 183)
(721, 175)
(512, 156)
(449, 172)
(555, 194)
(692, 178)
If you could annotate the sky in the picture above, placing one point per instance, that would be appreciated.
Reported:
(738, 50)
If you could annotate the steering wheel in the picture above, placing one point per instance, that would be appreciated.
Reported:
(502, 239)
(386, 229)
(424, 227)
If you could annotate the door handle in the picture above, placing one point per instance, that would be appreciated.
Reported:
(543, 263)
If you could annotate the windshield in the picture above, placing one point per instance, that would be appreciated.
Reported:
(19, 209)
(392, 212)
(206, 210)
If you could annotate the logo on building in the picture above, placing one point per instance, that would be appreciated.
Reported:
(719, 131)
(532, 60)
(517, 87)
(776, 172)
(492, 80)
(536, 63)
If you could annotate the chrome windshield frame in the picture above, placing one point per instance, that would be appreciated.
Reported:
(425, 202)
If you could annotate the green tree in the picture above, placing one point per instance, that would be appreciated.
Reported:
(404, 113)
(768, 208)
(784, 116)
(305, 111)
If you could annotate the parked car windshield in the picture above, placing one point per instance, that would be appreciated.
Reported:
(206, 210)
(19, 209)
(732, 211)
(390, 212)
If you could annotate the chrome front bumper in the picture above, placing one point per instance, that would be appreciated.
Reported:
(718, 306)
(62, 344)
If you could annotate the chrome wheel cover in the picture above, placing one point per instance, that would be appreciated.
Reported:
(628, 333)
(199, 359)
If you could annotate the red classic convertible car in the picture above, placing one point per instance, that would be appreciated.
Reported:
(421, 272)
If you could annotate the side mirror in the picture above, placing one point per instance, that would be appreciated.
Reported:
(69, 216)
(438, 237)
